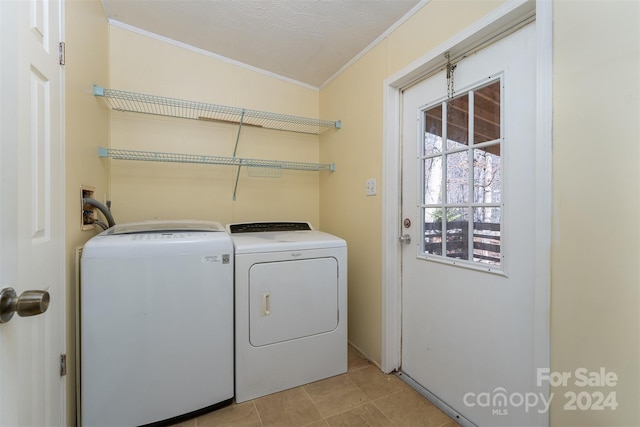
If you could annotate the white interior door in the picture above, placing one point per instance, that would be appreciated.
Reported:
(31, 207)
(468, 186)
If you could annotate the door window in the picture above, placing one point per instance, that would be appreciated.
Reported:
(462, 187)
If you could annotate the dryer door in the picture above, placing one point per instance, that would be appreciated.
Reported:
(292, 299)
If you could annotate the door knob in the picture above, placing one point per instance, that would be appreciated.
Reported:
(29, 303)
(405, 238)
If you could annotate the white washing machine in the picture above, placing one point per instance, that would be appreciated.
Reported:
(156, 323)
(291, 306)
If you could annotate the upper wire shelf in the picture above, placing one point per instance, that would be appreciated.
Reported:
(171, 107)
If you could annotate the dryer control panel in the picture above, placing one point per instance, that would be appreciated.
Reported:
(257, 227)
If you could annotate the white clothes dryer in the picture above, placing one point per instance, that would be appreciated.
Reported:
(156, 321)
(291, 306)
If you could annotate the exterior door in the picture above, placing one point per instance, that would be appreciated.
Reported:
(31, 207)
(468, 202)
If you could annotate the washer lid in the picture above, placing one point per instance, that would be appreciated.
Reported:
(164, 226)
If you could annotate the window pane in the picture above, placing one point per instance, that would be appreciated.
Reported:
(462, 180)
(433, 181)
(433, 131)
(458, 122)
(486, 113)
(457, 220)
(486, 235)
(433, 231)
(487, 174)
(458, 178)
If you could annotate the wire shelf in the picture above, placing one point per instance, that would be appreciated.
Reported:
(155, 156)
(157, 105)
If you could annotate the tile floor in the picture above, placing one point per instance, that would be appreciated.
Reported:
(364, 396)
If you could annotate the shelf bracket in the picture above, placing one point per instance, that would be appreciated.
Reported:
(235, 149)
(97, 90)
(235, 187)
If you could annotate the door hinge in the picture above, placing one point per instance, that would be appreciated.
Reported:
(63, 365)
(61, 53)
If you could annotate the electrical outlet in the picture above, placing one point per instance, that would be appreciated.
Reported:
(372, 187)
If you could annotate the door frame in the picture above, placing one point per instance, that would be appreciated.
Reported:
(497, 24)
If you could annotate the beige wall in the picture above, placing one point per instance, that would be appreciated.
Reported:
(595, 311)
(141, 191)
(86, 37)
(356, 97)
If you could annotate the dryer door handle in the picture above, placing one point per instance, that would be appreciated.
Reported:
(266, 304)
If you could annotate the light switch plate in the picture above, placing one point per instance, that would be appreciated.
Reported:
(372, 187)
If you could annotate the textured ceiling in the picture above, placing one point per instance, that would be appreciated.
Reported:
(303, 40)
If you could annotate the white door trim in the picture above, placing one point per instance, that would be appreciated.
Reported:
(63, 215)
(494, 25)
